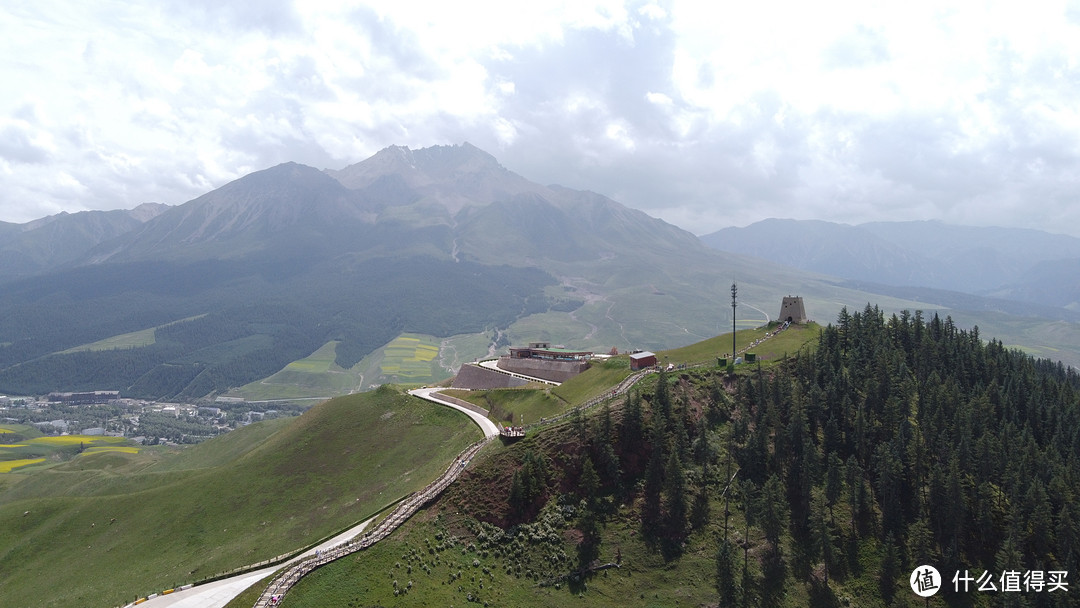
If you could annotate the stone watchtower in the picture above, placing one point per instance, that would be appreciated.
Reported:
(792, 309)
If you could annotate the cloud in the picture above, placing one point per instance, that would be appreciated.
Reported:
(22, 143)
(858, 48)
(707, 115)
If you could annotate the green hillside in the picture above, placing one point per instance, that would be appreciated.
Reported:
(316, 375)
(892, 441)
(409, 359)
(113, 526)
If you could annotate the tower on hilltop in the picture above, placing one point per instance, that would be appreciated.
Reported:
(792, 310)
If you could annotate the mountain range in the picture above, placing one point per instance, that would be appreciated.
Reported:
(1024, 265)
(233, 285)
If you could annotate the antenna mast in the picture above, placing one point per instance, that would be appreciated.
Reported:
(734, 291)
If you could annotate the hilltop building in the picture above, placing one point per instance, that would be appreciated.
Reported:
(544, 350)
(642, 360)
(541, 360)
(84, 398)
(792, 310)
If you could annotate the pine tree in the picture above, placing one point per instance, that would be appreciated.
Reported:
(833, 484)
(890, 568)
(516, 498)
(772, 510)
(589, 484)
(822, 538)
(631, 432)
(725, 576)
(675, 493)
(654, 484)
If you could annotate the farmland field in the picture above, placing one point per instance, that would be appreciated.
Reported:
(8, 465)
(409, 358)
(57, 449)
(315, 376)
(75, 439)
(126, 449)
(135, 339)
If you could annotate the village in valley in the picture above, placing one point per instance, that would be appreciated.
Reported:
(107, 414)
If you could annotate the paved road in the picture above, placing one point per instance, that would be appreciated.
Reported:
(489, 428)
(403, 511)
(219, 593)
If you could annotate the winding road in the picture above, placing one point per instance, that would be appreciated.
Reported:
(219, 593)
(487, 426)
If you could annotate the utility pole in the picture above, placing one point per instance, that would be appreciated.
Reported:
(734, 291)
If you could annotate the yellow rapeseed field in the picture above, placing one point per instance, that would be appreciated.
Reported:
(75, 439)
(7, 465)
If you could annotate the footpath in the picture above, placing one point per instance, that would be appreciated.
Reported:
(405, 509)
(219, 593)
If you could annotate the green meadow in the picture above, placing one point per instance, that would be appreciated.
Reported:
(787, 342)
(407, 359)
(114, 525)
(315, 376)
(135, 339)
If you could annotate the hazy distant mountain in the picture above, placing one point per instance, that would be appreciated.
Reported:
(982, 261)
(50, 242)
(835, 249)
(445, 201)
(443, 241)
(978, 259)
(267, 268)
(1055, 283)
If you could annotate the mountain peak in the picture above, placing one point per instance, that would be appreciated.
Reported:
(421, 167)
(148, 211)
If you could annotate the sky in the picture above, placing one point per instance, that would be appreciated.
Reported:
(704, 114)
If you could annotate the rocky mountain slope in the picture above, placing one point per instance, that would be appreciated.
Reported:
(441, 241)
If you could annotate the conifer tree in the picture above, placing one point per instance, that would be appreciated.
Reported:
(654, 483)
(725, 576)
(675, 494)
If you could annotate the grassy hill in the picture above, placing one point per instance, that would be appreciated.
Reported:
(408, 358)
(471, 549)
(108, 527)
(532, 402)
(886, 444)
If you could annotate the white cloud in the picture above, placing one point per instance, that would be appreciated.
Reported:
(705, 114)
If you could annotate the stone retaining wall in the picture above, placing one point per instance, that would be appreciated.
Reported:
(556, 371)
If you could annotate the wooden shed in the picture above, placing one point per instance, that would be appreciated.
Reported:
(642, 360)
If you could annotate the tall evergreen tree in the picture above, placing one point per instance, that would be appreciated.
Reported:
(725, 576)
(675, 494)
(651, 508)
